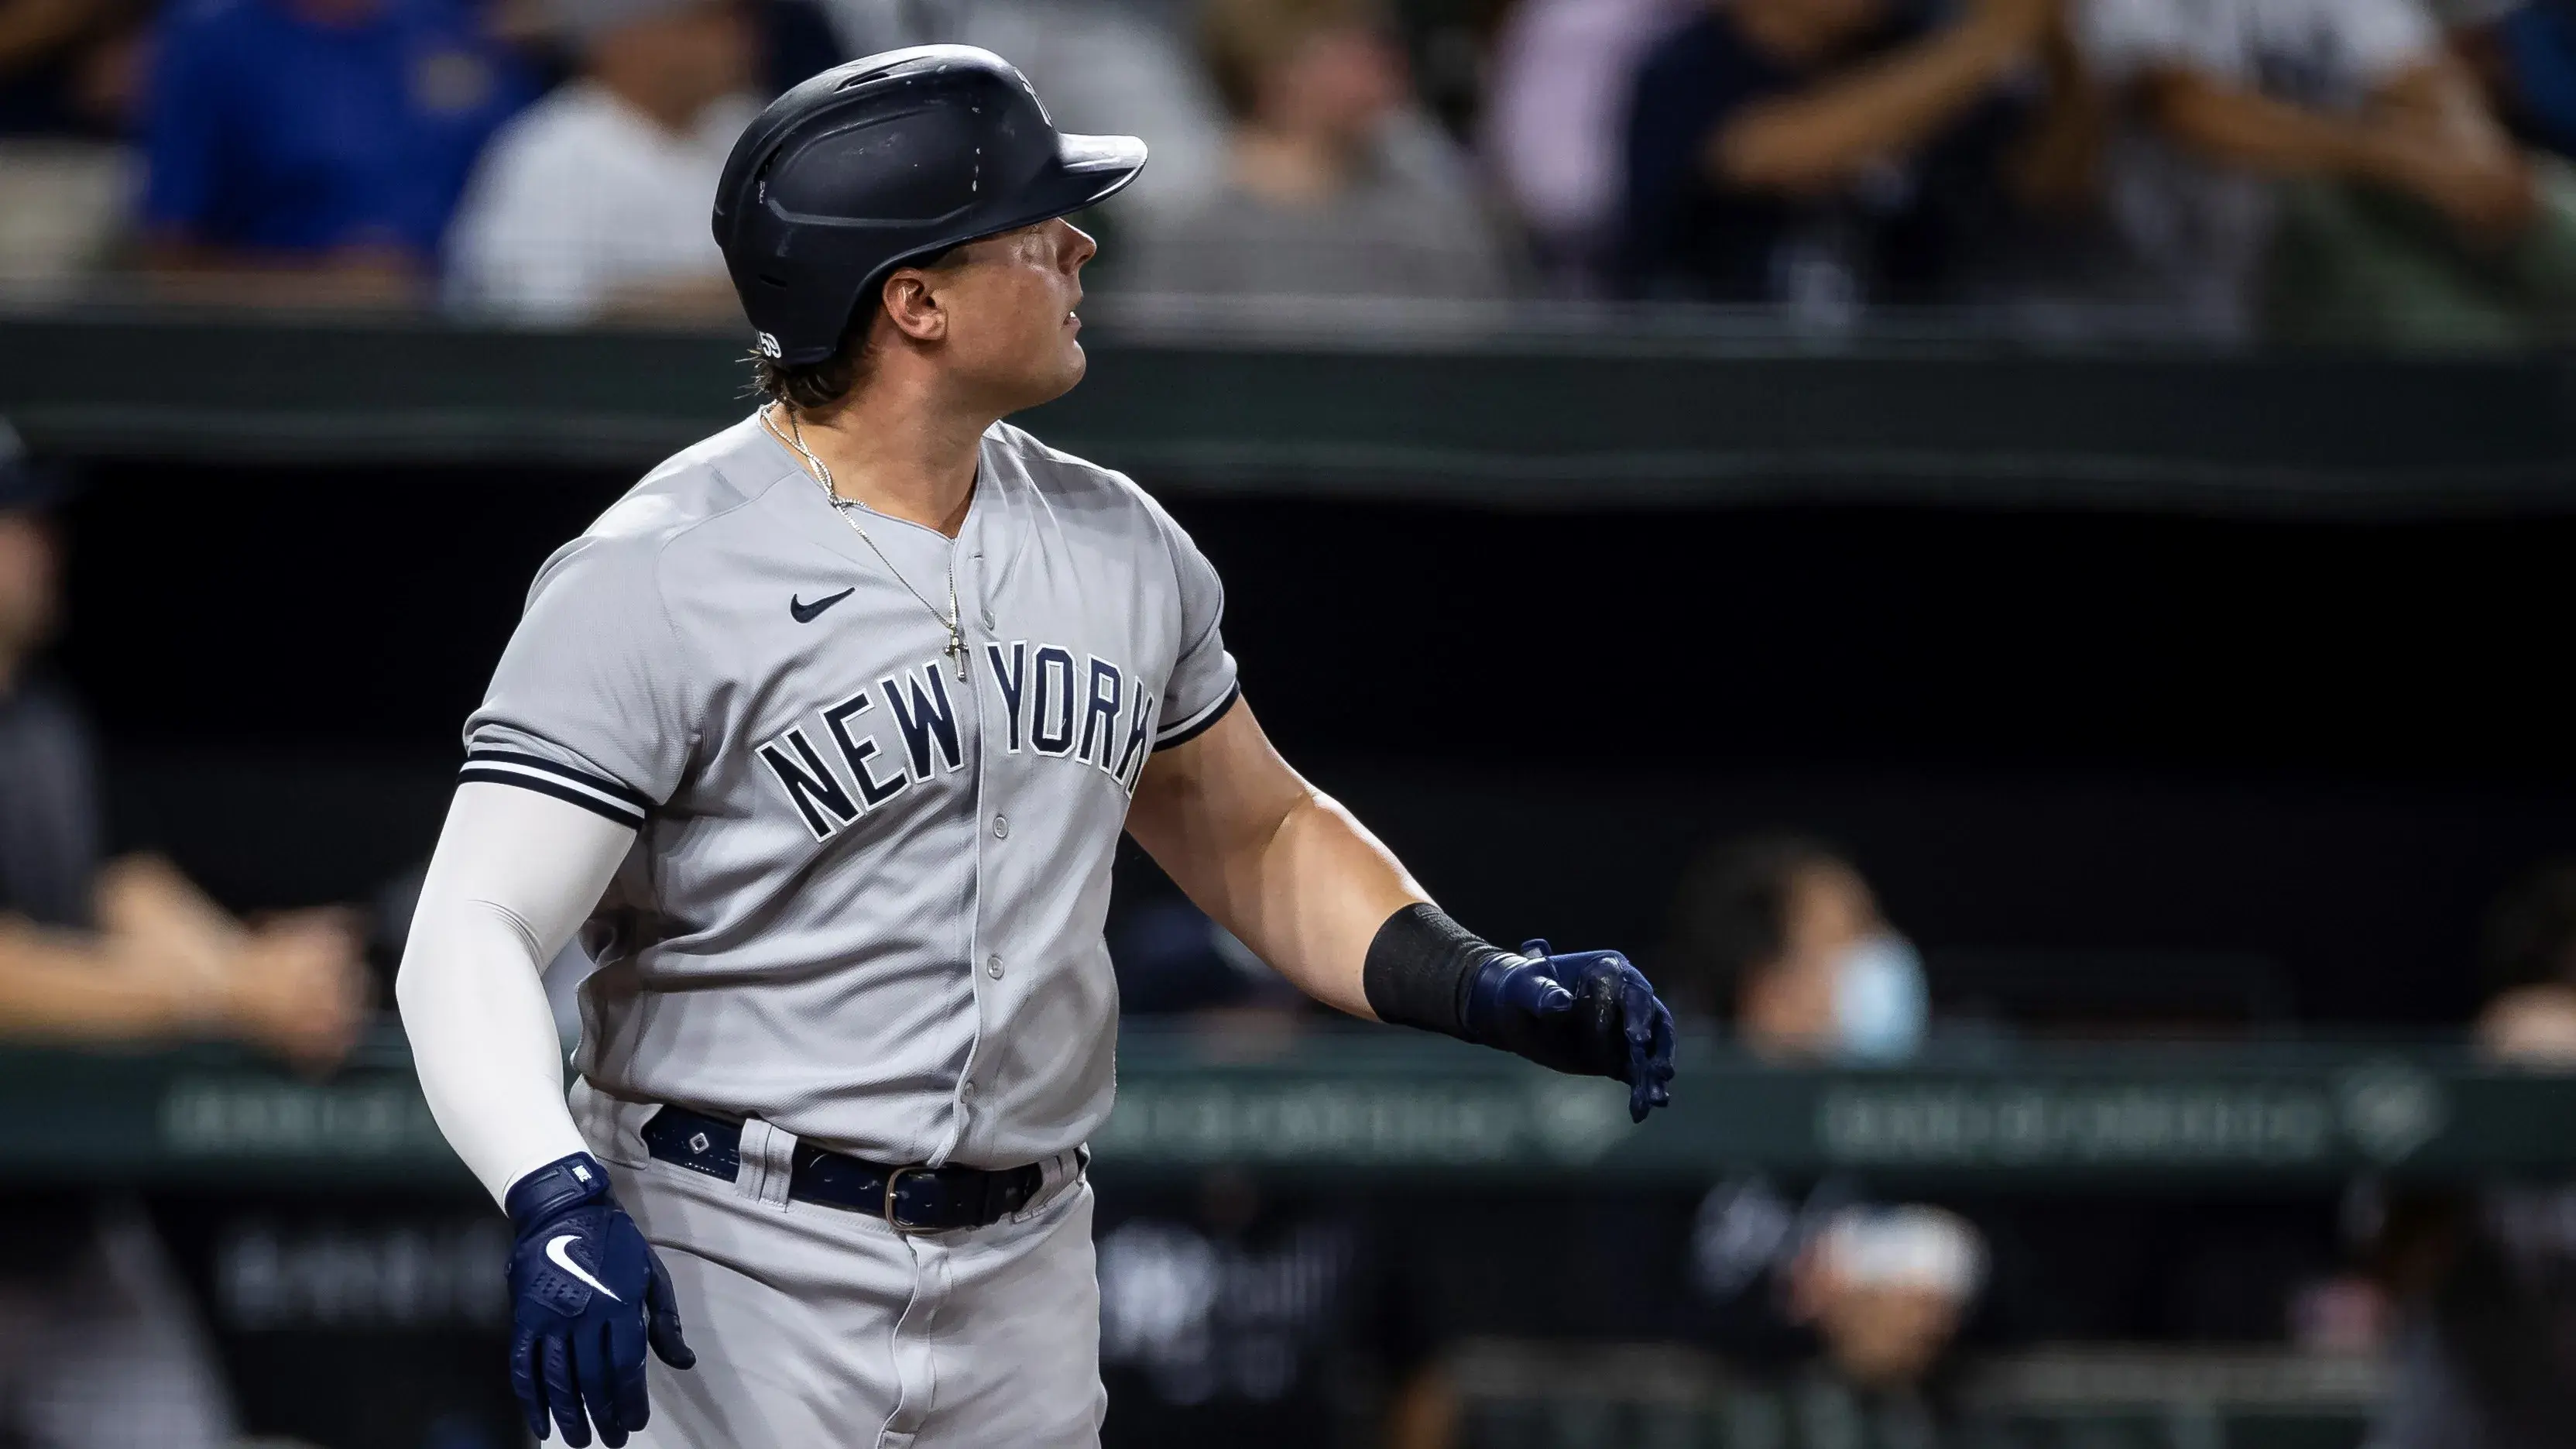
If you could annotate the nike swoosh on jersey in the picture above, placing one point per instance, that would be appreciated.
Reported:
(805, 613)
(556, 1255)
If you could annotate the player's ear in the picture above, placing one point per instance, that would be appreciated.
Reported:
(914, 307)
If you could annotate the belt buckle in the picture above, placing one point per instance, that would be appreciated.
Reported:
(894, 1179)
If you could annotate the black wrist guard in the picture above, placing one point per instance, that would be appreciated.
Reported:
(1420, 967)
(555, 1189)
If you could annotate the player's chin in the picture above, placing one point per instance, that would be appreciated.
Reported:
(1070, 364)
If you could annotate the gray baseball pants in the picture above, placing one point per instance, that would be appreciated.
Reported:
(820, 1328)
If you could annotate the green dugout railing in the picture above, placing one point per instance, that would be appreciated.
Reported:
(1500, 413)
(1400, 1107)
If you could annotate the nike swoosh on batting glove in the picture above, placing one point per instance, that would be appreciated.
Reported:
(588, 1295)
(1588, 1013)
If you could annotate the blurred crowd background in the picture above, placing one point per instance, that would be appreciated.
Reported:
(1922, 783)
(2340, 170)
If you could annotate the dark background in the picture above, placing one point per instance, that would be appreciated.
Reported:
(2324, 743)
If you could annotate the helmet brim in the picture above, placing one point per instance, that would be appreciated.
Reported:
(1119, 156)
(1089, 170)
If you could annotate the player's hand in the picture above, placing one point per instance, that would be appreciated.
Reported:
(587, 1295)
(1588, 1013)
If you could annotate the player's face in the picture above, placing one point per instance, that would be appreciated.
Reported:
(1012, 332)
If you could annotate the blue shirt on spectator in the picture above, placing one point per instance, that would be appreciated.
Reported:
(2538, 43)
(278, 131)
(1897, 233)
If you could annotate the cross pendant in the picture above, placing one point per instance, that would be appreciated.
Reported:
(957, 650)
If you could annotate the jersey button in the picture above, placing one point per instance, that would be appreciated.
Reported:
(1001, 827)
(993, 967)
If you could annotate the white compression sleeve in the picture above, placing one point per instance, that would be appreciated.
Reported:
(514, 876)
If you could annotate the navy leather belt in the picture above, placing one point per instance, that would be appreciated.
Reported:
(910, 1199)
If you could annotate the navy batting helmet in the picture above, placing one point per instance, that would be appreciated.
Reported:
(887, 160)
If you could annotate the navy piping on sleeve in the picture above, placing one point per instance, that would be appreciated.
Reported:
(595, 793)
(1184, 731)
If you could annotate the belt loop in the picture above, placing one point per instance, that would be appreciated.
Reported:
(768, 1161)
(1054, 1175)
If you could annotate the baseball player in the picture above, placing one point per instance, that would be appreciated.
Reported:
(823, 737)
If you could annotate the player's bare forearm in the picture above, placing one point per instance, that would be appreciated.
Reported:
(1271, 858)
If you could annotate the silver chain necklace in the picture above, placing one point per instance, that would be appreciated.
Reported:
(795, 438)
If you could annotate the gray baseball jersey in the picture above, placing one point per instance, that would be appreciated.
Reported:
(866, 894)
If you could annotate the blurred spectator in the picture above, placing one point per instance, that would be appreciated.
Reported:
(2529, 947)
(797, 42)
(319, 145)
(62, 65)
(96, 1343)
(1783, 935)
(129, 951)
(1556, 120)
(1822, 154)
(67, 89)
(1229, 1313)
(593, 202)
(2525, 52)
(2486, 1284)
(1336, 185)
(1234, 1315)
(2337, 149)
(868, 26)
(1103, 66)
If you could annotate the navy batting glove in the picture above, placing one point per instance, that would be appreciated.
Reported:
(587, 1294)
(1589, 1013)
